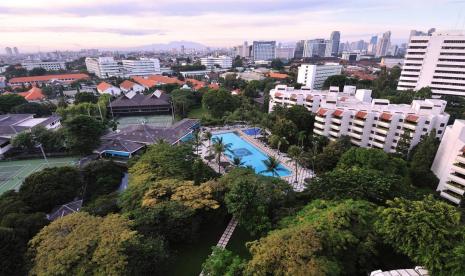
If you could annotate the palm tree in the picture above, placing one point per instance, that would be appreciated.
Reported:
(219, 147)
(237, 162)
(272, 166)
(301, 137)
(282, 141)
(295, 153)
(197, 141)
(208, 135)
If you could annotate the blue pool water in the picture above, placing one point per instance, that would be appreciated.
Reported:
(252, 131)
(249, 154)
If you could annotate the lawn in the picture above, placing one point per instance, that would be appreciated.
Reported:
(198, 113)
(12, 173)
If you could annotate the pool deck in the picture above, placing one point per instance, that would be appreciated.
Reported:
(302, 172)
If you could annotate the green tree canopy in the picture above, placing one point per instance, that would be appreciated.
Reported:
(329, 157)
(218, 102)
(83, 134)
(222, 262)
(85, 97)
(34, 108)
(422, 158)
(9, 101)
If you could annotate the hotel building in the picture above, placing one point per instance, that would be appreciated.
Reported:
(141, 67)
(449, 163)
(221, 61)
(103, 67)
(368, 122)
(436, 60)
(314, 76)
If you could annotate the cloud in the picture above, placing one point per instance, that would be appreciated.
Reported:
(78, 29)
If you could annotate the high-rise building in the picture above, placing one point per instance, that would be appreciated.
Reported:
(15, 51)
(314, 76)
(315, 47)
(284, 52)
(264, 50)
(374, 123)
(436, 61)
(141, 67)
(384, 44)
(103, 67)
(8, 51)
(335, 39)
(299, 49)
(245, 49)
(221, 61)
(449, 163)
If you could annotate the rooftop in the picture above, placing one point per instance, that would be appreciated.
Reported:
(49, 78)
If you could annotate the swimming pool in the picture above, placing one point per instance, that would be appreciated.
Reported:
(252, 131)
(249, 154)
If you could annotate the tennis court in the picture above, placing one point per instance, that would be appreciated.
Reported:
(154, 120)
(12, 173)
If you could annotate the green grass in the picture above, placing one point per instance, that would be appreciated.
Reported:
(12, 173)
(198, 113)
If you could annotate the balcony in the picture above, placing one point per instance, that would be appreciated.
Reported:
(320, 119)
(377, 144)
(456, 188)
(336, 120)
(359, 122)
(457, 179)
(356, 128)
(460, 159)
(384, 124)
(382, 131)
(380, 138)
(319, 125)
(460, 168)
(318, 131)
(450, 196)
(356, 142)
(410, 126)
(355, 135)
(334, 134)
(335, 127)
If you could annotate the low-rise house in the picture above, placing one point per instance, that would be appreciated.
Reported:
(35, 94)
(39, 80)
(13, 124)
(129, 140)
(129, 86)
(278, 76)
(106, 88)
(156, 103)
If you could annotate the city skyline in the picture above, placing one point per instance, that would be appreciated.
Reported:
(76, 24)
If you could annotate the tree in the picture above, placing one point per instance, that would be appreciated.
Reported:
(101, 178)
(422, 159)
(183, 100)
(403, 145)
(81, 243)
(24, 140)
(51, 140)
(272, 166)
(295, 153)
(277, 64)
(329, 157)
(355, 183)
(222, 262)
(9, 101)
(424, 93)
(428, 231)
(37, 72)
(237, 62)
(337, 80)
(50, 187)
(83, 134)
(218, 102)
(33, 108)
(253, 199)
(325, 238)
(220, 148)
(237, 162)
(85, 97)
(207, 135)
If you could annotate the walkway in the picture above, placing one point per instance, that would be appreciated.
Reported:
(227, 233)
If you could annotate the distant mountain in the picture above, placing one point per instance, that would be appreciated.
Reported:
(168, 46)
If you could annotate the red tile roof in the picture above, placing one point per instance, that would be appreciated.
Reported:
(214, 86)
(278, 94)
(145, 82)
(361, 115)
(159, 79)
(386, 116)
(309, 98)
(127, 85)
(72, 77)
(338, 113)
(322, 112)
(34, 94)
(196, 84)
(412, 118)
(103, 86)
(274, 75)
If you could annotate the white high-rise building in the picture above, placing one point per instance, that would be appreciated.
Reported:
(437, 61)
(212, 62)
(383, 44)
(141, 67)
(449, 163)
(317, 48)
(314, 76)
(103, 67)
(47, 65)
(368, 122)
(264, 50)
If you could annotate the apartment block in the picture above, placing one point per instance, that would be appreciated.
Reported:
(47, 65)
(314, 76)
(103, 67)
(264, 50)
(368, 122)
(449, 163)
(212, 62)
(436, 60)
(141, 67)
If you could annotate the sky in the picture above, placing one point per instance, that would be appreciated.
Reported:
(44, 25)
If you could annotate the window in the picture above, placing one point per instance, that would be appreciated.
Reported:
(439, 131)
(400, 120)
(425, 129)
(397, 134)
(398, 127)
(441, 125)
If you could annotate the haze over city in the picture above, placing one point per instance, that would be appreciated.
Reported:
(75, 24)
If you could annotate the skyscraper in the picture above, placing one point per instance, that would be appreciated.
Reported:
(299, 49)
(384, 44)
(264, 50)
(373, 44)
(15, 50)
(8, 51)
(315, 47)
(335, 39)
